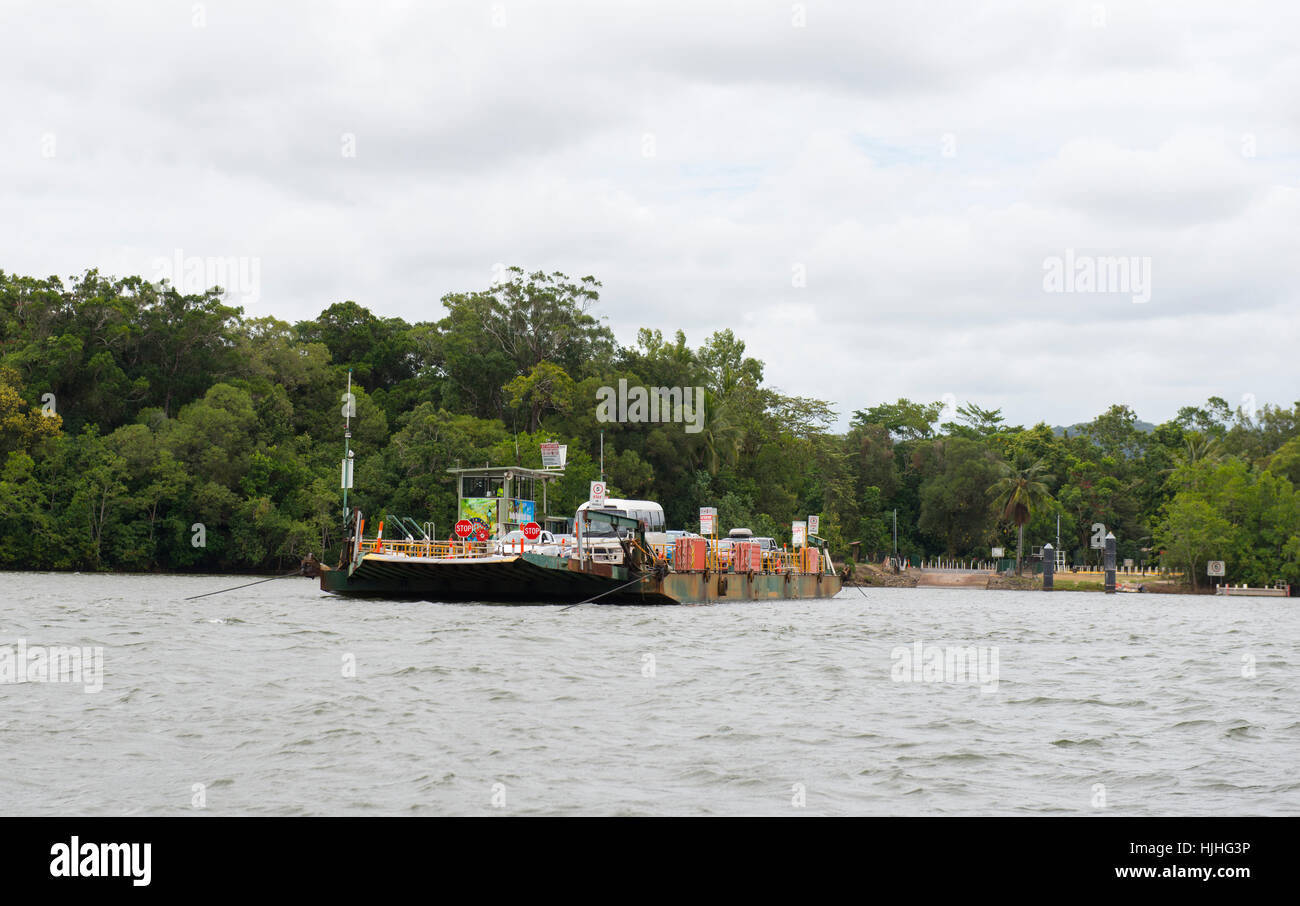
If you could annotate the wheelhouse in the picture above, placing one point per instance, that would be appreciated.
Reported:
(502, 499)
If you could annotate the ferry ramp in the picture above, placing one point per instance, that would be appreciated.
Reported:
(954, 578)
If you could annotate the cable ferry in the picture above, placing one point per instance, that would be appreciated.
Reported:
(619, 552)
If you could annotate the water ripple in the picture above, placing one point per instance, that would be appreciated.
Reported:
(282, 701)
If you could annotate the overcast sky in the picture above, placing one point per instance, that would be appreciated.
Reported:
(870, 195)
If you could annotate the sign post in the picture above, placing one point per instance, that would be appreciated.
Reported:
(554, 455)
(1215, 568)
(799, 534)
(463, 529)
(814, 523)
(1109, 563)
(597, 494)
(708, 520)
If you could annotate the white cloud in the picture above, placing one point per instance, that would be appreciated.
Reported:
(918, 163)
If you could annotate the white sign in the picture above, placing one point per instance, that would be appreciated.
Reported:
(997, 552)
(708, 520)
(800, 534)
(597, 495)
(813, 525)
(554, 455)
(1214, 568)
(347, 473)
(1128, 564)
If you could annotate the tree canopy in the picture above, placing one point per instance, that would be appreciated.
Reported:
(137, 421)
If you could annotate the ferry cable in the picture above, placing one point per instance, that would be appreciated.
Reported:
(610, 592)
(296, 572)
(846, 573)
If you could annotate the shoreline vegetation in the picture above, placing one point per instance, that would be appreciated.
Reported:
(143, 429)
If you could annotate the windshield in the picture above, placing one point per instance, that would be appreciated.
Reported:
(596, 529)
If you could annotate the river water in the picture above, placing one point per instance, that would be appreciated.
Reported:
(279, 700)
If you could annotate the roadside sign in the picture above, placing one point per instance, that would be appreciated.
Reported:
(554, 455)
(532, 531)
(997, 552)
(813, 525)
(1214, 568)
(464, 528)
(597, 495)
(799, 537)
(708, 520)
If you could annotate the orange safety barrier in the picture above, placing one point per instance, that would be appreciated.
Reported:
(748, 557)
(811, 560)
(690, 555)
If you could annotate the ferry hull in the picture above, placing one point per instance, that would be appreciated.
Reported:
(540, 579)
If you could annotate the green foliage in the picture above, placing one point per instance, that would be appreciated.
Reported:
(1225, 510)
(136, 421)
(955, 496)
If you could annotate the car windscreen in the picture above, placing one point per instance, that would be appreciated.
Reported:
(601, 529)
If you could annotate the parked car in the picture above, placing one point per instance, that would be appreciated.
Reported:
(510, 541)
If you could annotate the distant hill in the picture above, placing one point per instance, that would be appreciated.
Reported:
(1146, 427)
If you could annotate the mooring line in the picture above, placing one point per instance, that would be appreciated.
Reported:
(297, 572)
(610, 592)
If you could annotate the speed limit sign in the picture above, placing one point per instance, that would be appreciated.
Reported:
(1214, 568)
(597, 492)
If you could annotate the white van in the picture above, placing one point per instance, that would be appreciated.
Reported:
(600, 541)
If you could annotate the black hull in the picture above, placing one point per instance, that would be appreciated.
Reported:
(539, 579)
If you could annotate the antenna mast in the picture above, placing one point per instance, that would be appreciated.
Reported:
(349, 409)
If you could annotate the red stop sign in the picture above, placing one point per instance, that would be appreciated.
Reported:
(532, 531)
(464, 528)
(481, 534)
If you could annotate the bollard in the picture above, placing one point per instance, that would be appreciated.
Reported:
(1110, 563)
(1049, 566)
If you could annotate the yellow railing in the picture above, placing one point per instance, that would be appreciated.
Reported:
(774, 561)
(441, 549)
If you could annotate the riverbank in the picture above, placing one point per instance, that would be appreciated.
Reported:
(868, 574)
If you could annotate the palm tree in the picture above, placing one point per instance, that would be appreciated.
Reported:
(1018, 494)
(1199, 450)
(719, 443)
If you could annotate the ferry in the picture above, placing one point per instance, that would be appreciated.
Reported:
(618, 552)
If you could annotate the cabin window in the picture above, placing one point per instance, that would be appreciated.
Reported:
(481, 486)
(651, 520)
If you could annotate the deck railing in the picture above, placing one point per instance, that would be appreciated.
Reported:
(443, 549)
(720, 561)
